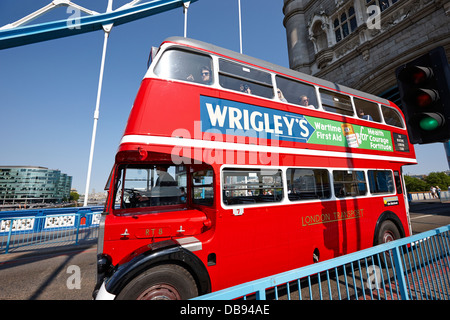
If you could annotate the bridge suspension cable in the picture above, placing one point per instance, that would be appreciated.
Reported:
(16, 34)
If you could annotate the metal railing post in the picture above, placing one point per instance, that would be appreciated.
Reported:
(78, 227)
(261, 294)
(9, 235)
(401, 277)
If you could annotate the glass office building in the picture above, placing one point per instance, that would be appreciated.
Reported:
(27, 184)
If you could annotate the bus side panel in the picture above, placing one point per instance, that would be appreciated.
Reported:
(165, 112)
(268, 240)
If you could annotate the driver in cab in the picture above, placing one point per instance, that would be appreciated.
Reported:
(164, 191)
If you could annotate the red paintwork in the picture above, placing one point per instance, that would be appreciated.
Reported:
(152, 116)
(264, 240)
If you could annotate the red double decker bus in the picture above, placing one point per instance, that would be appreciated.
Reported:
(231, 169)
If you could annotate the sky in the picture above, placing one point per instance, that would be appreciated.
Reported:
(48, 90)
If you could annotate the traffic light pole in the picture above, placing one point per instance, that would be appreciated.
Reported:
(447, 152)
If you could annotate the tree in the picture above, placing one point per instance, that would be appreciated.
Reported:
(74, 196)
(438, 179)
(415, 184)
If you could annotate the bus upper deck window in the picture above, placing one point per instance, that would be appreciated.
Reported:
(392, 117)
(336, 102)
(245, 79)
(367, 110)
(296, 92)
(187, 66)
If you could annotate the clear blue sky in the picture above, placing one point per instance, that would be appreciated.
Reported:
(48, 90)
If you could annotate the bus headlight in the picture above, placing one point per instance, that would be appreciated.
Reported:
(104, 265)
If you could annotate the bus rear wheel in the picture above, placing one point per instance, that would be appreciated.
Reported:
(164, 282)
(388, 232)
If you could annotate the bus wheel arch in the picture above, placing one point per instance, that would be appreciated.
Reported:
(174, 261)
(388, 228)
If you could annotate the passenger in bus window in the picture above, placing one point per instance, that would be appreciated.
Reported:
(304, 101)
(183, 195)
(339, 190)
(205, 74)
(364, 116)
(367, 110)
(245, 88)
(281, 96)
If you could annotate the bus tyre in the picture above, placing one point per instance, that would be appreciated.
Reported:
(164, 282)
(388, 232)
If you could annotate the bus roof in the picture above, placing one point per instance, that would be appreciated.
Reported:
(273, 67)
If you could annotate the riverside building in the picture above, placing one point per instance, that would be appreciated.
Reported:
(30, 184)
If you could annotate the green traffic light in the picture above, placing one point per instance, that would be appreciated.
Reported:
(429, 123)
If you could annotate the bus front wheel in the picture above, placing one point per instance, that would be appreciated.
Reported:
(163, 282)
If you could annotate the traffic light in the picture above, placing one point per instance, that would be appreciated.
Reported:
(424, 86)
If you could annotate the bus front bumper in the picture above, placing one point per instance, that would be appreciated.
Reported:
(103, 294)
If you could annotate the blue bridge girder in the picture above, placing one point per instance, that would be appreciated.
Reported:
(19, 36)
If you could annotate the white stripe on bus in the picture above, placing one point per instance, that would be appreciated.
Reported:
(184, 142)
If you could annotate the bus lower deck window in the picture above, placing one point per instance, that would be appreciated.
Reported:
(251, 186)
(306, 184)
(381, 181)
(349, 183)
(202, 187)
(151, 186)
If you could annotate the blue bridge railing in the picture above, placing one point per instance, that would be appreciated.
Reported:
(47, 227)
(417, 267)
